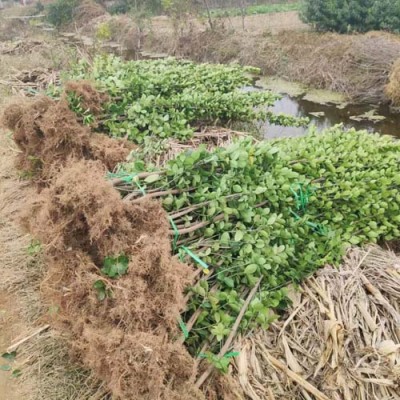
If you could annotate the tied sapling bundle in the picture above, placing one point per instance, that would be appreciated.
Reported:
(254, 217)
(173, 98)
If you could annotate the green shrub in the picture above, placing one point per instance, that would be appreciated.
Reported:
(352, 15)
(124, 6)
(61, 12)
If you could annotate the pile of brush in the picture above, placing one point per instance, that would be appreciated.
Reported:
(340, 340)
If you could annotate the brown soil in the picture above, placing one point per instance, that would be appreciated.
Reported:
(90, 98)
(48, 134)
(7, 322)
(130, 339)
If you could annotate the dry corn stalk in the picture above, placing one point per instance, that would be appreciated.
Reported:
(340, 339)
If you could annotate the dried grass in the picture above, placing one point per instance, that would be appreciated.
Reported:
(356, 65)
(210, 137)
(339, 340)
(393, 87)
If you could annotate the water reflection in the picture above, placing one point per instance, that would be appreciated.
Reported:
(332, 115)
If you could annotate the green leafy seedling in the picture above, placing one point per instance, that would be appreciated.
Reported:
(114, 267)
(101, 288)
(34, 247)
(16, 373)
(9, 356)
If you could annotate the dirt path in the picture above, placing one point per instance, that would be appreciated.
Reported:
(10, 254)
(9, 329)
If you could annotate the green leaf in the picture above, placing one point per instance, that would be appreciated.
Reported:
(5, 368)
(115, 267)
(9, 356)
(16, 373)
(250, 269)
(152, 178)
(239, 236)
(225, 238)
(229, 282)
(100, 287)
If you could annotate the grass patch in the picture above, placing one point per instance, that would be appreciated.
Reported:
(257, 9)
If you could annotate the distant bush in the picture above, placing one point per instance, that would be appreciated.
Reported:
(61, 12)
(352, 15)
(124, 6)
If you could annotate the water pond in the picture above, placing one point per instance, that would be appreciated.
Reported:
(325, 109)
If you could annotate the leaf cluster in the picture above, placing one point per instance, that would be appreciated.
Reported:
(171, 98)
(245, 198)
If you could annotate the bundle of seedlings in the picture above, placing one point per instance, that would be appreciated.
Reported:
(340, 338)
(173, 98)
(254, 217)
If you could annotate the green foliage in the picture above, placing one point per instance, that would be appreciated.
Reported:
(39, 7)
(256, 9)
(115, 267)
(275, 210)
(352, 15)
(125, 6)
(170, 98)
(102, 291)
(10, 357)
(34, 247)
(61, 12)
(220, 363)
(103, 31)
(76, 106)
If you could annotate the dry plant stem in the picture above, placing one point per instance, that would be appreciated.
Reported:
(382, 301)
(152, 195)
(200, 225)
(297, 378)
(118, 181)
(232, 335)
(22, 341)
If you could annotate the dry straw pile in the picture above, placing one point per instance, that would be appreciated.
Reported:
(340, 340)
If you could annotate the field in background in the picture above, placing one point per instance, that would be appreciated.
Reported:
(256, 9)
(254, 25)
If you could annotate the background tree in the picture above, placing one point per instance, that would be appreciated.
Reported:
(352, 15)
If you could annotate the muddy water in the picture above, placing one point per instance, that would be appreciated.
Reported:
(329, 115)
(386, 122)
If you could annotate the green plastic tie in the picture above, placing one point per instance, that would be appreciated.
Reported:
(231, 354)
(206, 268)
(183, 328)
(176, 233)
(301, 195)
(318, 228)
(125, 177)
(141, 188)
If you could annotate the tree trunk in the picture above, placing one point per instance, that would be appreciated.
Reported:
(210, 21)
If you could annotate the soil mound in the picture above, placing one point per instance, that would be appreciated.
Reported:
(48, 133)
(89, 97)
(129, 338)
